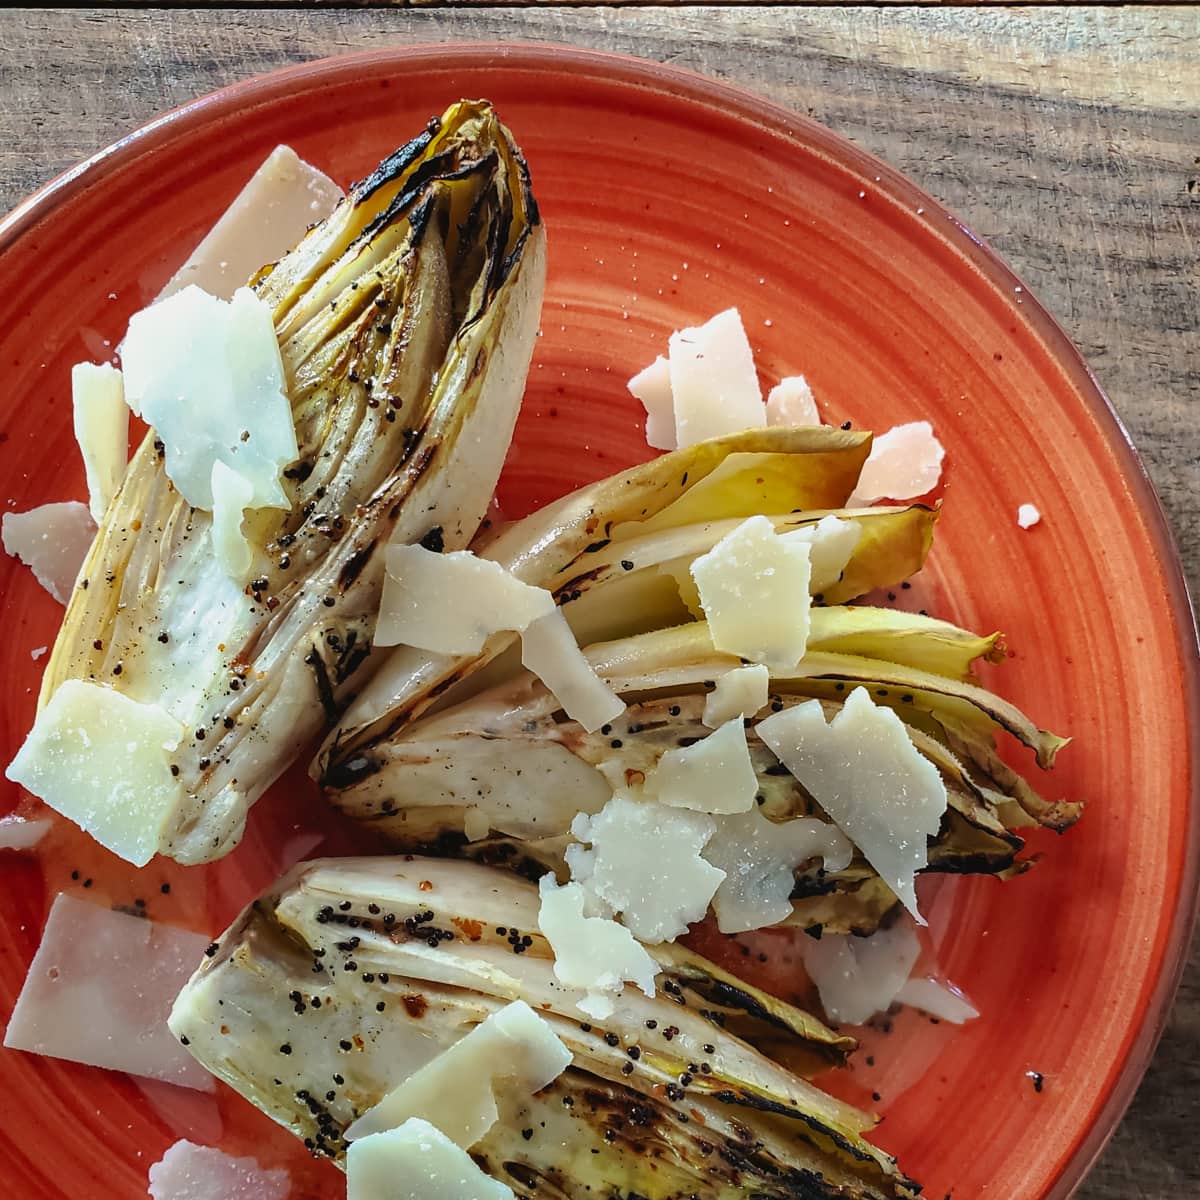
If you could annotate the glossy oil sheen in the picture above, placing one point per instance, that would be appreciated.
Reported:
(667, 198)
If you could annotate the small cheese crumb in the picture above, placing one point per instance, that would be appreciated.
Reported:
(1028, 516)
(856, 977)
(645, 866)
(832, 540)
(191, 1172)
(790, 402)
(904, 463)
(457, 1090)
(741, 692)
(101, 429)
(713, 775)
(938, 1000)
(590, 952)
(476, 823)
(652, 386)
(207, 375)
(52, 540)
(232, 495)
(99, 991)
(714, 385)
(416, 1162)
(452, 603)
(754, 589)
(864, 771)
(103, 761)
(16, 833)
(759, 858)
(550, 651)
(38, 651)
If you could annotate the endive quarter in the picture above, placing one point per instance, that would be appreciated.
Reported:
(405, 322)
(351, 974)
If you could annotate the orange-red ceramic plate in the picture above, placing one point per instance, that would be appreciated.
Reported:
(666, 198)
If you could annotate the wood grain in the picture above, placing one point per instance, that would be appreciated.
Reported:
(1069, 139)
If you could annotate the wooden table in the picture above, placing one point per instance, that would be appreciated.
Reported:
(1068, 138)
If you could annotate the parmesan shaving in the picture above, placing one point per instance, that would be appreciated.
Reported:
(832, 540)
(741, 692)
(452, 603)
(904, 463)
(101, 429)
(52, 540)
(232, 495)
(938, 1000)
(644, 864)
(754, 589)
(857, 977)
(191, 1172)
(16, 833)
(652, 386)
(790, 402)
(713, 775)
(549, 650)
(863, 770)
(1028, 516)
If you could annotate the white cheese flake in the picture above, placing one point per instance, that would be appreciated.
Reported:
(52, 540)
(416, 1162)
(452, 603)
(232, 495)
(17, 833)
(102, 430)
(476, 823)
(652, 386)
(938, 1000)
(457, 1090)
(713, 775)
(790, 402)
(741, 692)
(832, 540)
(550, 651)
(38, 651)
(644, 864)
(267, 218)
(99, 991)
(1028, 516)
(104, 762)
(863, 770)
(207, 375)
(904, 463)
(593, 953)
(857, 977)
(714, 385)
(191, 1172)
(759, 858)
(754, 589)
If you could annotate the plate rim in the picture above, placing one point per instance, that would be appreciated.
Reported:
(746, 104)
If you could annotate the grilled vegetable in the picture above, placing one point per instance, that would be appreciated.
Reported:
(351, 974)
(405, 322)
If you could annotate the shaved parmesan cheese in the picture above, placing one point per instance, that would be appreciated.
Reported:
(904, 462)
(103, 761)
(99, 991)
(759, 858)
(416, 1162)
(832, 540)
(269, 216)
(754, 589)
(191, 1172)
(549, 650)
(739, 693)
(452, 603)
(790, 402)
(232, 495)
(713, 382)
(37, 652)
(652, 387)
(938, 1000)
(101, 429)
(590, 952)
(456, 1091)
(856, 977)
(16, 833)
(644, 864)
(713, 775)
(476, 823)
(863, 770)
(1028, 516)
(52, 540)
(207, 375)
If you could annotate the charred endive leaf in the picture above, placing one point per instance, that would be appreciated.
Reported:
(512, 757)
(405, 322)
(350, 974)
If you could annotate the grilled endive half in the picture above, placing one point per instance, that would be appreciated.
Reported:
(405, 323)
(351, 974)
